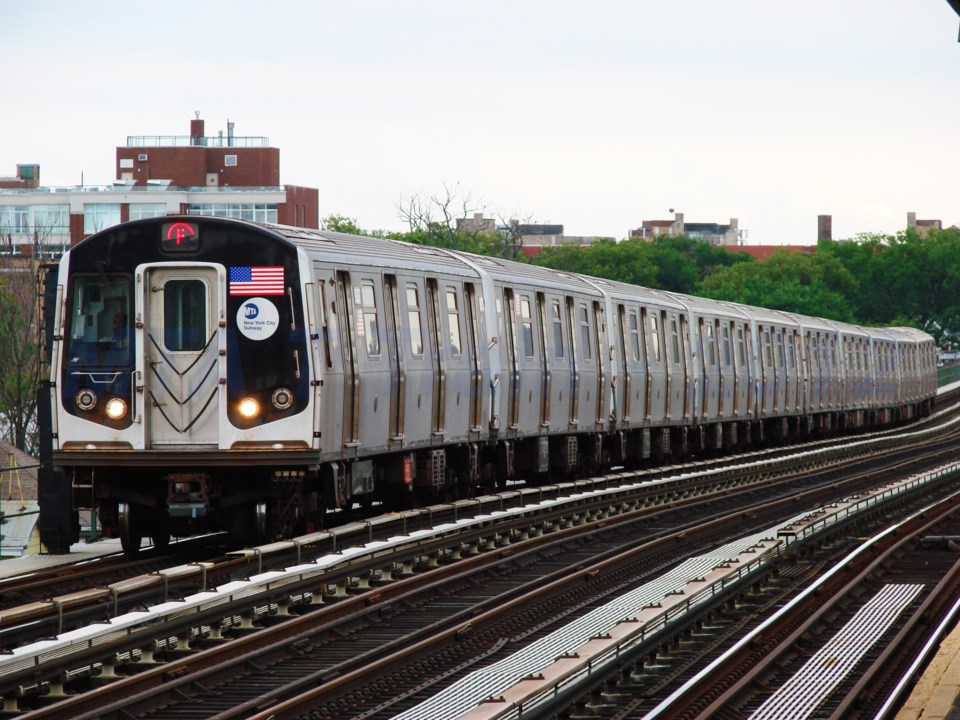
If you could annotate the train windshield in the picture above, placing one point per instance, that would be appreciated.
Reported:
(100, 329)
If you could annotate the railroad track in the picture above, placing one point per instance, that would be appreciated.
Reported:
(845, 647)
(210, 667)
(64, 599)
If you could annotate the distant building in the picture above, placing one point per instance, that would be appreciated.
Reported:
(824, 227)
(230, 176)
(712, 233)
(923, 227)
(477, 225)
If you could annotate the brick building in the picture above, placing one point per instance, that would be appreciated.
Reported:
(195, 174)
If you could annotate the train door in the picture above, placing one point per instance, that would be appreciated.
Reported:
(793, 363)
(351, 372)
(414, 422)
(632, 383)
(513, 394)
(603, 360)
(438, 391)
(586, 353)
(576, 362)
(546, 383)
(472, 316)
(712, 371)
(679, 359)
(457, 397)
(320, 364)
(372, 377)
(183, 309)
(699, 368)
(658, 375)
(529, 363)
(395, 349)
(741, 372)
(727, 372)
(676, 377)
(558, 344)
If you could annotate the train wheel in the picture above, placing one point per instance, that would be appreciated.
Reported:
(131, 533)
(161, 539)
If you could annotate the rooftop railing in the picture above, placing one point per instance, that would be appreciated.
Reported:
(121, 188)
(216, 141)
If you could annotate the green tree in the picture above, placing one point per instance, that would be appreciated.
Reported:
(19, 358)
(795, 282)
(342, 224)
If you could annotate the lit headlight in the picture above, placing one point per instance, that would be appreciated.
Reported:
(116, 408)
(282, 398)
(86, 399)
(249, 408)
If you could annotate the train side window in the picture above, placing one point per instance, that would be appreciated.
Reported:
(585, 333)
(526, 327)
(366, 299)
(726, 346)
(655, 338)
(557, 322)
(184, 315)
(453, 320)
(767, 349)
(675, 340)
(634, 335)
(413, 320)
(780, 359)
(741, 347)
(325, 322)
(711, 345)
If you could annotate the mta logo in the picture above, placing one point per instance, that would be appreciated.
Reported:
(250, 311)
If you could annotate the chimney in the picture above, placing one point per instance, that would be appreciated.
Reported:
(229, 133)
(824, 227)
(911, 221)
(677, 228)
(196, 131)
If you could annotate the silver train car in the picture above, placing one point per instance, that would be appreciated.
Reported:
(213, 374)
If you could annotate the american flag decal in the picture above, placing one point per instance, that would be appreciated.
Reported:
(256, 280)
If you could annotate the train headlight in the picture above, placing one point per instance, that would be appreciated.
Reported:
(86, 399)
(282, 398)
(115, 408)
(249, 408)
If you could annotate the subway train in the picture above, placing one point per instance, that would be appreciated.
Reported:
(210, 374)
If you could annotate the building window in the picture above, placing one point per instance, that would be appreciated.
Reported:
(258, 212)
(15, 219)
(229, 160)
(141, 211)
(97, 217)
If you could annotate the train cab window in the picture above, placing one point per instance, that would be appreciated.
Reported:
(365, 299)
(634, 335)
(184, 315)
(413, 320)
(101, 327)
(557, 329)
(655, 338)
(453, 320)
(585, 333)
(526, 327)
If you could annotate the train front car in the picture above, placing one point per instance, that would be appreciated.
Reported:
(182, 391)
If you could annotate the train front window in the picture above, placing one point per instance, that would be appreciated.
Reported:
(184, 315)
(101, 328)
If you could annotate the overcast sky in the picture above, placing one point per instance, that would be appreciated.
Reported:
(596, 115)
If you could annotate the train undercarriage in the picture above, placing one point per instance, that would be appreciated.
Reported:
(261, 503)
